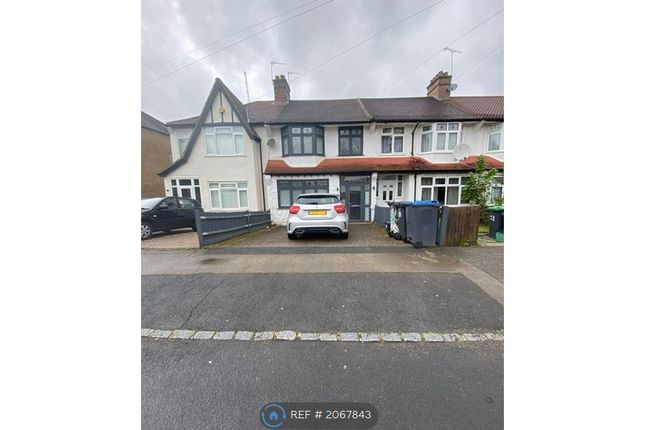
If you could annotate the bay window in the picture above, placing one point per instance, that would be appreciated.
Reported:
(440, 137)
(303, 140)
(495, 137)
(392, 140)
(224, 140)
(446, 189)
(229, 195)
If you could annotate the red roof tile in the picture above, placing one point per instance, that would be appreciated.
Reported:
(375, 164)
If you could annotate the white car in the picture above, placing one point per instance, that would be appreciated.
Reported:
(317, 213)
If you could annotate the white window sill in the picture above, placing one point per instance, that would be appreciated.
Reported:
(497, 151)
(447, 151)
(393, 153)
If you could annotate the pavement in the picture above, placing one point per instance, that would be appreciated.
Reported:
(416, 332)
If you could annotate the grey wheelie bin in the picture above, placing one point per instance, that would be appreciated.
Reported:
(422, 222)
(495, 220)
(398, 220)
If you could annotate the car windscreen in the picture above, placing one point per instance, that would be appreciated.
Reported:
(150, 203)
(317, 200)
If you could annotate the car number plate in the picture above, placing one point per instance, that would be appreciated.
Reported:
(317, 212)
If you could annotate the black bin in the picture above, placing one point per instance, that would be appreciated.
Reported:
(495, 220)
(422, 222)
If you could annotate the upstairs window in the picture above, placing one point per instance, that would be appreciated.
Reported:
(426, 138)
(303, 140)
(182, 141)
(224, 140)
(495, 137)
(440, 137)
(350, 141)
(392, 140)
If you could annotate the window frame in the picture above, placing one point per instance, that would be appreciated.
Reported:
(237, 188)
(194, 187)
(211, 130)
(351, 136)
(287, 184)
(393, 135)
(434, 137)
(425, 133)
(446, 184)
(317, 131)
(179, 139)
(500, 133)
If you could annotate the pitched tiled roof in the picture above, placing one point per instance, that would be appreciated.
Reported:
(152, 123)
(365, 110)
(307, 111)
(491, 107)
(375, 164)
(186, 121)
(386, 110)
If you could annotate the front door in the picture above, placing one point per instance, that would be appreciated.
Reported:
(355, 195)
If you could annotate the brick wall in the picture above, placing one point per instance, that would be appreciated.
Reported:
(155, 157)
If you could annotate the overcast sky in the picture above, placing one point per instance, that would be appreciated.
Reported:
(170, 29)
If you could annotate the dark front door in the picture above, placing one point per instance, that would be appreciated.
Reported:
(355, 193)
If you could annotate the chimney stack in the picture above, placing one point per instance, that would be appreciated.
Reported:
(440, 86)
(281, 90)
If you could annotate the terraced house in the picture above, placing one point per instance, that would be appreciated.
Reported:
(261, 155)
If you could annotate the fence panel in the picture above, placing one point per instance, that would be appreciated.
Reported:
(459, 224)
(213, 227)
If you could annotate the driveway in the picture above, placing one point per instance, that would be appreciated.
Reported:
(176, 239)
(360, 235)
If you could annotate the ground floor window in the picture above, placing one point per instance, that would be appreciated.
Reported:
(188, 188)
(444, 189)
(497, 190)
(229, 195)
(289, 190)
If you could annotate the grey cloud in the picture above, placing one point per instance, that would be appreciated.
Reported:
(171, 28)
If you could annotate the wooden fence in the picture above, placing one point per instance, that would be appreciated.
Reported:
(458, 225)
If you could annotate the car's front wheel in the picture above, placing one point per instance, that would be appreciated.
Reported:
(146, 231)
(292, 236)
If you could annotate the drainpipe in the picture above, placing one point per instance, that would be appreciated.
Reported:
(413, 130)
(412, 154)
(264, 204)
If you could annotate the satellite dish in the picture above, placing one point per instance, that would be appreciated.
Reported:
(461, 151)
(452, 87)
(271, 141)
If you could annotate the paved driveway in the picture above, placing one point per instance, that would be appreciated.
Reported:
(360, 235)
(177, 239)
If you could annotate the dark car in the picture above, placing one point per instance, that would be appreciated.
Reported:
(167, 213)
